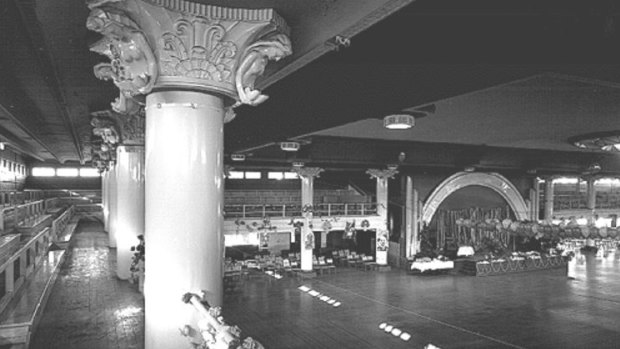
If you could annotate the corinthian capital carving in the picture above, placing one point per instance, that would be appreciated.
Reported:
(132, 67)
(215, 49)
(253, 65)
(382, 174)
(119, 129)
(308, 172)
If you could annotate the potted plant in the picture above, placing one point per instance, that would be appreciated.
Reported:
(137, 263)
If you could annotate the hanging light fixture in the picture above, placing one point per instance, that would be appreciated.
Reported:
(399, 121)
(237, 157)
(290, 146)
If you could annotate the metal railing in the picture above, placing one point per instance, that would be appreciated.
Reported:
(580, 201)
(290, 210)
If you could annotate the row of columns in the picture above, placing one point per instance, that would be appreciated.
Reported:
(549, 196)
(192, 62)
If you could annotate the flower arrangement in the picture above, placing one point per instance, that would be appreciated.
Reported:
(137, 260)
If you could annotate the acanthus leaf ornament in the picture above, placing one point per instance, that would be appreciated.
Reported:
(196, 49)
(192, 46)
(132, 67)
(105, 127)
(253, 63)
(382, 174)
(308, 172)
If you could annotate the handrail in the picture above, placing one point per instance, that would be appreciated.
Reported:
(59, 224)
(288, 210)
(26, 260)
(580, 201)
(21, 212)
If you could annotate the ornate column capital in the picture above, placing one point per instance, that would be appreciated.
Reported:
(227, 169)
(382, 174)
(117, 129)
(110, 130)
(308, 172)
(177, 44)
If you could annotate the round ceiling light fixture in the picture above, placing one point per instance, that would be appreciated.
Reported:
(398, 122)
(237, 157)
(606, 141)
(290, 146)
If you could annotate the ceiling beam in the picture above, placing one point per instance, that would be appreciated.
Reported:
(13, 103)
(321, 44)
(41, 50)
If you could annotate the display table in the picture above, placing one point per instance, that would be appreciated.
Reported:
(506, 266)
(435, 265)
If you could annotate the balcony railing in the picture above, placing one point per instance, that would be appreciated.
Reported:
(579, 202)
(288, 210)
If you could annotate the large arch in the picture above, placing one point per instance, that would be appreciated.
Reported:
(459, 180)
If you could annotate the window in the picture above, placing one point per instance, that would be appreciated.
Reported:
(290, 175)
(67, 172)
(43, 172)
(275, 175)
(235, 175)
(566, 180)
(89, 172)
(252, 175)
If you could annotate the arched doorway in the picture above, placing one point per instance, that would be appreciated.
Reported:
(473, 203)
(493, 181)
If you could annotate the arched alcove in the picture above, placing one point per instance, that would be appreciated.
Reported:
(494, 181)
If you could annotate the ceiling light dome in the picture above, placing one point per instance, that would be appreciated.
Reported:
(289, 146)
(399, 122)
(237, 157)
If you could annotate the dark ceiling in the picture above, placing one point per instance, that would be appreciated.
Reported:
(428, 51)
(432, 50)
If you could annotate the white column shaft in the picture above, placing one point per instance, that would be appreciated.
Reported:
(381, 254)
(130, 205)
(105, 188)
(307, 198)
(548, 198)
(184, 240)
(591, 194)
(409, 218)
(112, 204)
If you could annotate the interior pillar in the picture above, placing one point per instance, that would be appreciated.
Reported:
(184, 209)
(382, 239)
(591, 199)
(382, 232)
(409, 218)
(591, 192)
(130, 205)
(548, 198)
(105, 178)
(192, 61)
(536, 202)
(307, 243)
(112, 204)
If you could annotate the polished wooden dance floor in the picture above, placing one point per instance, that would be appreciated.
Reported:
(90, 308)
(541, 309)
